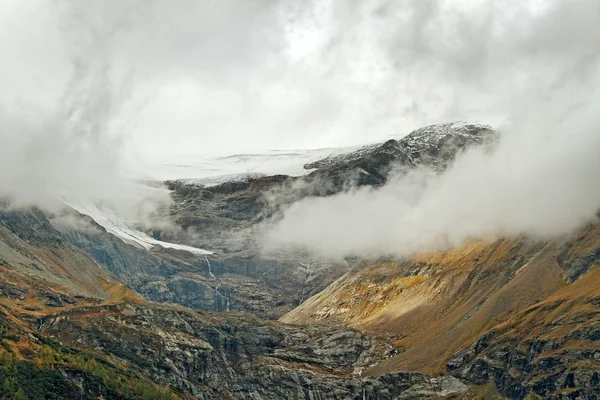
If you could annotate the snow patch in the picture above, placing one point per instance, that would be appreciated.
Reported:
(211, 170)
(119, 228)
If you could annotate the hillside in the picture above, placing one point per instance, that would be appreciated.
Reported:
(515, 312)
(69, 329)
(85, 314)
(41, 274)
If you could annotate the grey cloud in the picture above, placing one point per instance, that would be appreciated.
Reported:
(93, 84)
(542, 71)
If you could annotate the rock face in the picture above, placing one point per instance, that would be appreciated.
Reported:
(550, 349)
(160, 278)
(235, 356)
(434, 146)
(228, 219)
(40, 264)
(211, 283)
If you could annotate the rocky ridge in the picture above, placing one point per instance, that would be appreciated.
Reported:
(233, 356)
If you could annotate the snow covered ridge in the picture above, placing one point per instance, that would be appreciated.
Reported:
(433, 135)
(209, 170)
(218, 180)
(117, 227)
(422, 139)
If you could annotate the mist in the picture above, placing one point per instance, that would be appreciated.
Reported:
(244, 76)
(95, 88)
(540, 181)
(63, 141)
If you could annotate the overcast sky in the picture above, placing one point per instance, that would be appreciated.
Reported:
(231, 76)
(92, 87)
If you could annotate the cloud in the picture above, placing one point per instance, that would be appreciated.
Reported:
(68, 142)
(541, 179)
(92, 84)
(237, 76)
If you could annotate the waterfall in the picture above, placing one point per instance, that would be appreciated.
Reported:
(218, 284)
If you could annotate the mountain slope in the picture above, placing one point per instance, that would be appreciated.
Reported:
(228, 218)
(40, 274)
(515, 315)
(434, 146)
(550, 348)
(235, 356)
(67, 320)
(72, 330)
(36, 367)
(41, 271)
(434, 306)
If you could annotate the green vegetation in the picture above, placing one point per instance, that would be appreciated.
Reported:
(57, 373)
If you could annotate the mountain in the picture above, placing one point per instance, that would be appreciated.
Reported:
(434, 146)
(69, 329)
(518, 313)
(92, 307)
(211, 260)
(228, 218)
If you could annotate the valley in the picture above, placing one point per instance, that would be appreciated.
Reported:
(199, 311)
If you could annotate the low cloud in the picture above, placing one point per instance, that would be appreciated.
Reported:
(545, 188)
(541, 180)
(310, 74)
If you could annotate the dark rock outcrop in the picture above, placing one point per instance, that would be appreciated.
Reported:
(233, 356)
(434, 147)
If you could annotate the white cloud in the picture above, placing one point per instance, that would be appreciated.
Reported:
(91, 84)
(540, 181)
(234, 76)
